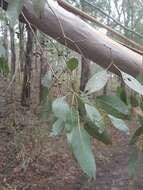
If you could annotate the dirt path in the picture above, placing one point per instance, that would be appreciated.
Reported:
(32, 160)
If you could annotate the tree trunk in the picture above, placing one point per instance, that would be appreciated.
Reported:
(21, 46)
(13, 53)
(85, 64)
(43, 68)
(5, 40)
(83, 38)
(25, 97)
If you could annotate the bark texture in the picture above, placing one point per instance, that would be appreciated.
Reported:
(26, 88)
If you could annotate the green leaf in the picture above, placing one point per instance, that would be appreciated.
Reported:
(81, 147)
(39, 6)
(114, 106)
(93, 130)
(94, 115)
(132, 83)
(57, 127)
(72, 64)
(71, 119)
(13, 11)
(119, 124)
(97, 82)
(60, 108)
(47, 79)
(132, 160)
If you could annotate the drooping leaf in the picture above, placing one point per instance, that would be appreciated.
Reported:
(72, 64)
(132, 160)
(57, 127)
(39, 7)
(81, 147)
(114, 106)
(94, 115)
(60, 108)
(93, 131)
(132, 83)
(71, 120)
(96, 82)
(90, 127)
(119, 124)
(13, 11)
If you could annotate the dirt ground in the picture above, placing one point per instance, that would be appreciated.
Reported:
(30, 159)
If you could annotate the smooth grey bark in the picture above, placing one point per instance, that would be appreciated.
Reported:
(83, 38)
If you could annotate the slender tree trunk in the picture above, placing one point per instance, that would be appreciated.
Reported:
(25, 97)
(21, 46)
(43, 67)
(5, 40)
(36, 54)
(13, 51)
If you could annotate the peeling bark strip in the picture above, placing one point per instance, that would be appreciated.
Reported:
(83, 38)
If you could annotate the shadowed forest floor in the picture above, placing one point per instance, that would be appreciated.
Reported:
(32, 160)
